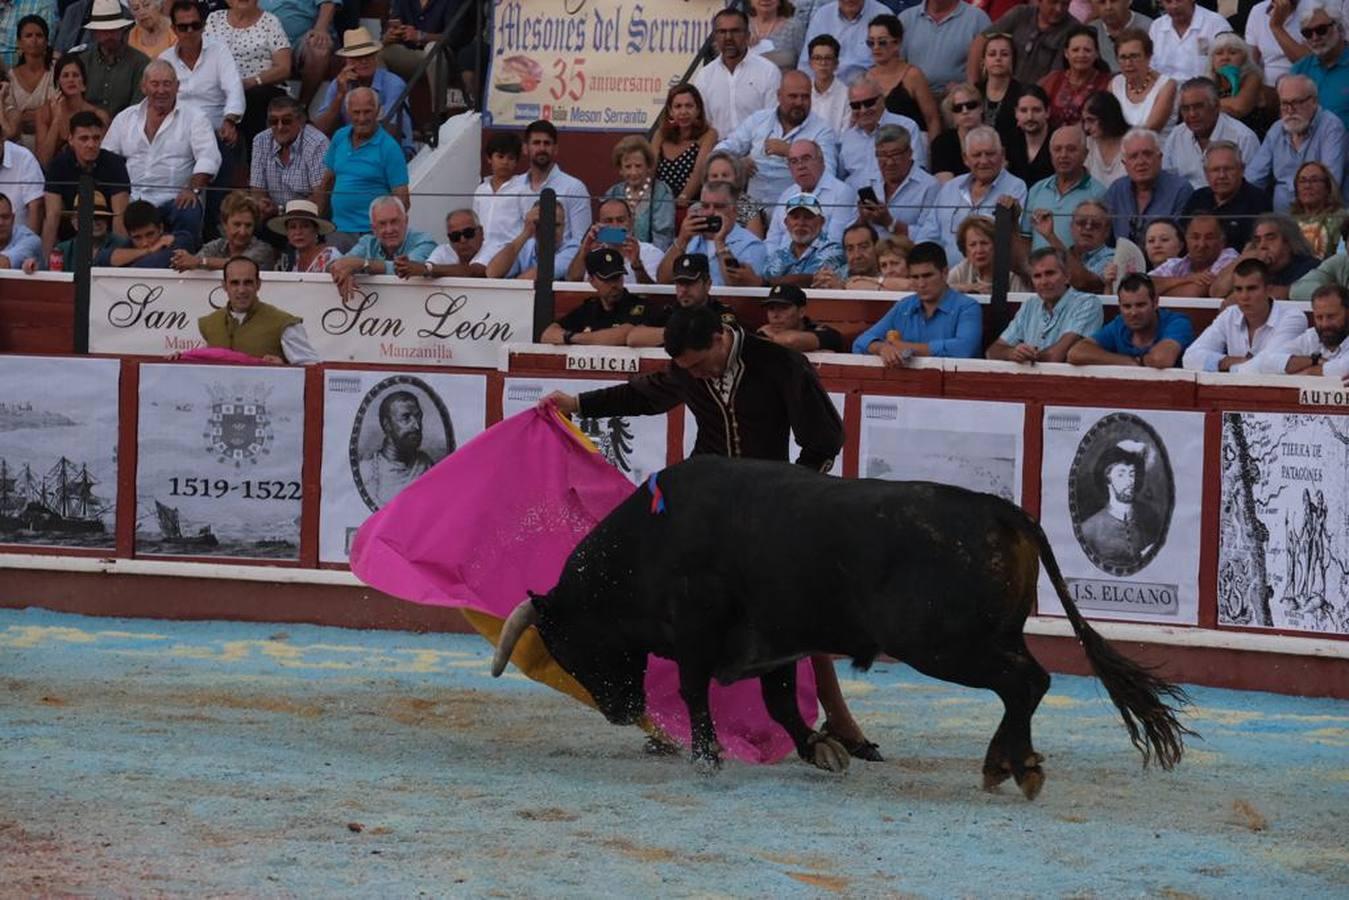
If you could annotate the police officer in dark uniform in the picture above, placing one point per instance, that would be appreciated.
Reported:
(789, 325)
(606, 318)
(693, 287)
(748, 396)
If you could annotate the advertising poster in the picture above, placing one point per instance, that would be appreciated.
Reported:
(966, 443)
(691, 434)
(1283, 549)
(1120, 504)
(381, 431)
(219, 458)
(575, 64)
(636, 445)
(58, 451)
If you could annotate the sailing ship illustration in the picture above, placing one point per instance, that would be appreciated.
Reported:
(62, 501)
(172, 533)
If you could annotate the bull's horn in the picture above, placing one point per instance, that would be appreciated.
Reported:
(523, 616)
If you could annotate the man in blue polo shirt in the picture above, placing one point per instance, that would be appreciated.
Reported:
(934, 321)
(1141, 335)
(363, 162)
(1328, 62)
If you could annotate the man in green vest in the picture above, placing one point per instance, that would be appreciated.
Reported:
(248, 325)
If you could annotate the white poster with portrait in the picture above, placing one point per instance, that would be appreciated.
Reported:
(1283, 550)
(967, 443)
(691, 434)
(635, 445)
(1120, 501)
(219, 456)
(58, 451)
(382, 431)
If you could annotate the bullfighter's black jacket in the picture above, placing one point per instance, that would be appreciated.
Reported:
(767, 392)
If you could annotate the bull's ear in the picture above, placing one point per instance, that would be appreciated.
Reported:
(532, 595)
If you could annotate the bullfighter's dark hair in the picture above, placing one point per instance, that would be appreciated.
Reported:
(691, 329)
(928, 252)
(257, 270)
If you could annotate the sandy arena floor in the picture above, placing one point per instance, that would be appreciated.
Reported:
(160, 758)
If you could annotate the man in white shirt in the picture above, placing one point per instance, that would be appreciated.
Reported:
(493, 200)
(1321, 349)
(847, 21)
(1253, 323)
(828, 93)
(544, 172)
(765, 137)
(837, 200)
(641, 260)
(736, 83)
(21, 180)
(462, 257)
(857, 143)
(171, 153)
(1182, 38)
(1204, 122)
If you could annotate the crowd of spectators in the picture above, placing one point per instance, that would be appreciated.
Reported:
(1142, 149)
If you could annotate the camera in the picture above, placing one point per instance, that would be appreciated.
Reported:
(712, 224)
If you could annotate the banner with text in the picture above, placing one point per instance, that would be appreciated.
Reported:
(636, 445)
(381, 431)
(446, 322)
(58, 451)
(603, 65)
(1283, 547)
(967, 443)
(1120, 500)
(218, 461)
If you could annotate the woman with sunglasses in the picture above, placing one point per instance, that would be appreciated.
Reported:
(963, 109)
(53, 117)
(1083, 74)
(904, 84)
(1000, 89)
(1104, 124)
(1317, 207)
(1146, 97)
(30, 86)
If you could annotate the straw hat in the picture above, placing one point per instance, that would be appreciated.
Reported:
(302, 210)
(356, 42)
(101, 207)
(107, 15)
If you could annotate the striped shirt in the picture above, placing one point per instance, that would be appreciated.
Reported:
(295, 180)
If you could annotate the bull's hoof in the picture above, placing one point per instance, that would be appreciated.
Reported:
(826, 753)
(1031, 781)
(660, 746)
(706, 764)
(995, 776)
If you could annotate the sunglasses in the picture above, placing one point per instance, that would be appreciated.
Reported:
(280, 120)
(1316, 31)
(873, 43)
(864, 104)
(189, 26)
(967, 106)
(466, 234)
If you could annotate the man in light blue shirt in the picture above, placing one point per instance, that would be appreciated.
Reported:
(519, 258)
(1328, 62)
(857, 144)
(18, 243)
(766, 136)
(1060, 193)
(809, 248)
(937, 38)
(847, 21)
(935, 320)
(1304, 132)
(976, 193)
(1047, 325)
(389, 240)
(903, 192)
(735, 256)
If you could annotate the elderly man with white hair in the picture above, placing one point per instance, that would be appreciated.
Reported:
(170, 150)
(363, 163)
(1303, 133)
(1146, 192)
(857, 143)
(836, 199)
(978, 192)
(388, 243)
(1327, 63)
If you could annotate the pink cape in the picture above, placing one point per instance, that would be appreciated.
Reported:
(220, 355)
(501, 515)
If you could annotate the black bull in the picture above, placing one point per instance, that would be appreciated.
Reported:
(754, 565)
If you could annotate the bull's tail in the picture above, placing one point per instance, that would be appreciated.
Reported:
(1137, 692)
